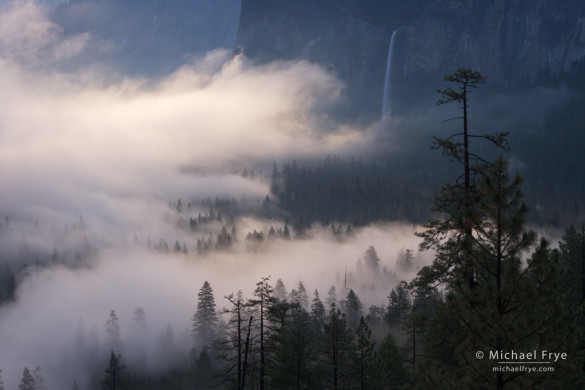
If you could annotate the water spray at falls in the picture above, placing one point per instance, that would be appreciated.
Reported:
(386, 112)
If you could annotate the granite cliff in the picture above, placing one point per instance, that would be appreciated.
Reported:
(515, 42)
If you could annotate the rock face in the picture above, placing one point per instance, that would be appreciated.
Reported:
(346, 37)
(153, 36)
(515, 42)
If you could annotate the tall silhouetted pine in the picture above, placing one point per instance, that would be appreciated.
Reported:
(205, 319)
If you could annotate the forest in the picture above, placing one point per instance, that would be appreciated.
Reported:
(494, 287)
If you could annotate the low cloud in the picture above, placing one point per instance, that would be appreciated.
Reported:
(56, 305)
(67, 136)
(90, 160)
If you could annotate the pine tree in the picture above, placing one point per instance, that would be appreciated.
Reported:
(27, 382)
(204, 370)
(372, 261)
(451, 236)
(286, 232)
(138, 338)
(139, 326)
(572, 261)
(1, 381)
(167, 347)
(405, 260)
(115, 376)
(511, 306)
(39, 379)
(364, 357)
(392, 373)
(280, 290)
(275, 182)
(262, 303)
(572, 247)
(418, 312)
(8, 284)
(113, 341)
(331, 297)
(292, 343)
(398, 304)
(352, 309)
(234, 351)
(224, 239)
(300, 296)
(205, 318)
(318, 314)
(337, 349)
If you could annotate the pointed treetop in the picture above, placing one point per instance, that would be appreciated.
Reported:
(465, 78)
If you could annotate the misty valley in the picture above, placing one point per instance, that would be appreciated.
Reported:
(357, 194)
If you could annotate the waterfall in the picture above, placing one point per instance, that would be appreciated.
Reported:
(387, 85)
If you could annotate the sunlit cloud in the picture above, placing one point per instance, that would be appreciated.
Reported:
(69, 134)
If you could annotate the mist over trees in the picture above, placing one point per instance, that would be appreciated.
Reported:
(489, 272)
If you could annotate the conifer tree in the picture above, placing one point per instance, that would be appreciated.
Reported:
(262, 302)
(280, 290)
(115, 374)
(337, 349)
(113, 341)
(293, 350)
(331, 299)
(572, 247)
(451, 235)
(27, 382)
(398, 304)
(318, 314)
(300, 296)
(234, 351)
(139, 326)
(205, 318)
(352, 309)
(8, 284)
(275, 182)
(392, 373)
(405, 260)
(39, 379)
(137, 340)
(204, 370)
(512, 306)
(371, 260)
(1, 381)
(364, 357)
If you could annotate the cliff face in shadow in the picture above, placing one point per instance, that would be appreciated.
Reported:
(349, 38)
(522, 42)
(515, 42)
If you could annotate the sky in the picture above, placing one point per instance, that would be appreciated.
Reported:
(90, 143)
